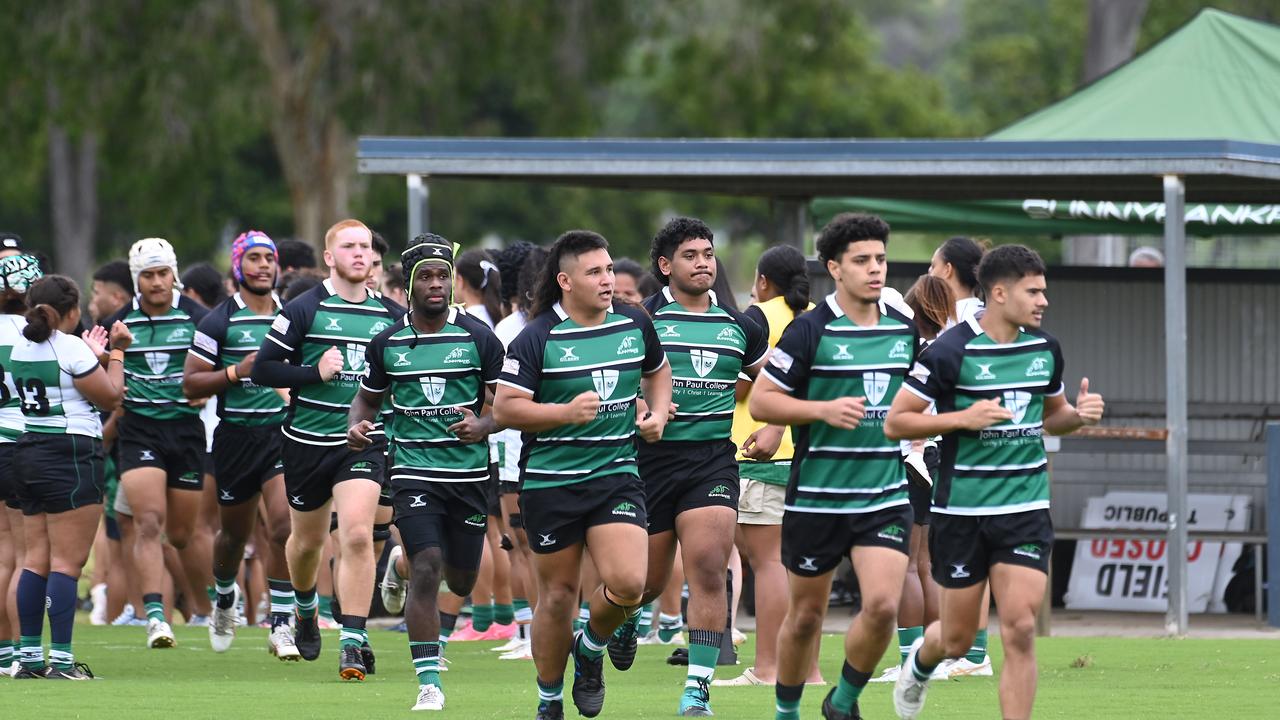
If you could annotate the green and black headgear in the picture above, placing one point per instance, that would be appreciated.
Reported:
(426, 247)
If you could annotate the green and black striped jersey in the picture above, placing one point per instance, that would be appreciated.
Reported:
(554, 359)
(308, 326)
(707, 350)
(429, 378)
(1002, 469)
(823, 355)
(225, 337)
(153, 362)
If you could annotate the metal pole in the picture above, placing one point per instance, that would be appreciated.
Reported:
(1273, 524)
(1175, 351)
(419, 195)
(791, 222)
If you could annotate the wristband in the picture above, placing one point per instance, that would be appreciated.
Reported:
(232, 376)
(117, 355)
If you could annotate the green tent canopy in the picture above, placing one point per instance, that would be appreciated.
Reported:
(1216, 77)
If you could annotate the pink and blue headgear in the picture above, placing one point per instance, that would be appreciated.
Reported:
(246, 242)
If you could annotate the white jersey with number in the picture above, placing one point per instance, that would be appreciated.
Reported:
(45, 374)
(11, 420)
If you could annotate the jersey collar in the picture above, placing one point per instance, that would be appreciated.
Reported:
(274, 298)
(560, 312)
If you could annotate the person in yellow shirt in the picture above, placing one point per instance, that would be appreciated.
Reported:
(780, 293)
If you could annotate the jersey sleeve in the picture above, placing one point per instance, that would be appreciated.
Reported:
(757, 339)
(290, 327)
(491, 355)
(790, 362)
(75, 358)
(654, 356)
(377, 380)
(209, 337)
(934, 373)
(522, 367)
(757, 316)
(1056, 386)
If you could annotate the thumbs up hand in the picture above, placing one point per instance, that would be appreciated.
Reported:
(1089, 406)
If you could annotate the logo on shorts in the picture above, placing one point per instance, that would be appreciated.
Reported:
(278, 466)
(808, 563)
(893, 532)
(670, 331)
(476, 520)
(226, 495)
(157, 361)
(1038, 368)
(247, 336)
(377, 327)
(547, 540)
(355, 356)
(295, 499)
(899, 351)
(959, 570)
(362, 466)
(402, 359)
(625, 509)
(720, 491)
(190, 478)
(842, 353)
(704, 361)
(567, 354)
(333, 324)
(605, 382)
(875, 385)
(984, 372)
(1016, 402)
(628, 346)
(417, 501)
(433, 389)
(146, 455)
(1030, 550)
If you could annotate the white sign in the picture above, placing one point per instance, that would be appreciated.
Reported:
(1132, 575)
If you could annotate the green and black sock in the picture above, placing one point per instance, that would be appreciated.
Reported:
(850, 687)
(978, 651)
(786, 699)
(907, 636)
(426, 662)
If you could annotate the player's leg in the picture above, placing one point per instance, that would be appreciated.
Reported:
(309, 531)
(558, 577)
(880, 571)
(275, 511)
(145, 488)
(620, 553)
(10, 598)
(32, 589)
(1019, 590)
(706, 540)
(798, 637)
(524, 589)
(949, 637)
(8, 622)
(761, 547)
(70, 536)
(236, 524)
(356, 501)
(504, 626)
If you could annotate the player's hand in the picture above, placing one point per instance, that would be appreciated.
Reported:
(96, 338)
(121, 338)
(330, 364)
(983, 414)
(470, 429)
(582, 409)
(1089, 406)
(650, 427)
(198, 402)
(763, 443)
(244, 368)
(358, 435)
(671, 411)
(845, 413)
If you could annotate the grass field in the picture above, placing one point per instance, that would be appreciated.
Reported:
(1090, 678)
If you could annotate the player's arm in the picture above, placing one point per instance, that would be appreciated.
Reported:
(103, 388)
(201, 376)
(362, 417)
(474, 428)
(1061, 418)
(771, 403)
(655, 384)
(933, 376)
(278, 361)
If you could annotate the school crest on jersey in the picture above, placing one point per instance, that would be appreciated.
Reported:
(355, 356)
(157, 361)
(704, 361)
(875, 385)
(433, 389)
(606, 381)
(1016, 402)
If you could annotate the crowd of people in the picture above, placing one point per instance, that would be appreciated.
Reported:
(565, 440)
